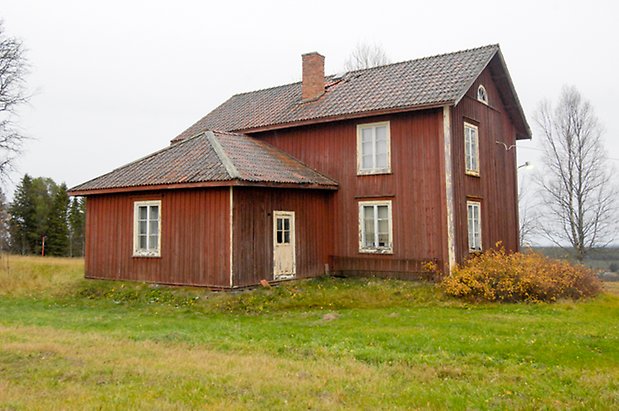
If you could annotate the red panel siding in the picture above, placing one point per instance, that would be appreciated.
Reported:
(194, 238)
(414, 186)
(496, 187)
(253, 231)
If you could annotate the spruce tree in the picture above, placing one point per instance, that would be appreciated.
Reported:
(57, 242)
(77, 222)
(22, 220)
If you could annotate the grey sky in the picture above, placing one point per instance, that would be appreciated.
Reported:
(116, 80)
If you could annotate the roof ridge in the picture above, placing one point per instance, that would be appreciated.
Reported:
(227, 162)
(494, 45)
(451, 53)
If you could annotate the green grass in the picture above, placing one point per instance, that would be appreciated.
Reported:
(70, 343)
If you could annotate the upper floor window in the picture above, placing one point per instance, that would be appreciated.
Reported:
(482, 94)
(376, 227)
(147, 228)
(373, 148)
(471, 149)
(473, 211)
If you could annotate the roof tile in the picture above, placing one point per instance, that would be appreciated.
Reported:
(431, 80)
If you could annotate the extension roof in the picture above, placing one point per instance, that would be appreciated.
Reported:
(411, 85)
(209, 159)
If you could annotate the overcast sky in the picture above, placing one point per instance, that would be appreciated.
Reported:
(116, 80)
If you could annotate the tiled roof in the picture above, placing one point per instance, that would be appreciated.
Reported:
(436, 80)
(210, 157)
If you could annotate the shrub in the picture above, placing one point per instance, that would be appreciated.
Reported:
(613, 267)
(496, 275)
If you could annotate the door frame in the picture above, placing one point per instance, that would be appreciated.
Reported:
(289, 214)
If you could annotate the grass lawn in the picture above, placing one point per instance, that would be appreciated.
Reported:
(70, 343)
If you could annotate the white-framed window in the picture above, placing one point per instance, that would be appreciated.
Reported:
(373, 148)
(375, 227)
(471, 149)
(147, 228)
(473, 213)
(482, 94)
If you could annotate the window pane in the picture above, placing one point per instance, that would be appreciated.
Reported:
(287, 224)
(366, 135)
(367, 149)
(381, 134)
(142, 212)
(381, 161)
(154, 212)
(142, 242)
(367, 161)
(279, 224)
(152, 242)
(383, 211)
(142, 228)
(381, 147)
(383, 239)
(280, 237)
(153, 227)
(287, 237)
(368, 225)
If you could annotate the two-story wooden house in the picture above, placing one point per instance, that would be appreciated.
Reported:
(371, 172)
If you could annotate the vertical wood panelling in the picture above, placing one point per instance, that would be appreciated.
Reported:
(414, 186)
(496, 187)
(194, 238)
(253, 231)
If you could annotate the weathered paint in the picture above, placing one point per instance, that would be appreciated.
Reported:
(253, 251)
(414, 186)
(449, 189)
(194, 238)
(231, 241)
(496, 187)
(284, 259)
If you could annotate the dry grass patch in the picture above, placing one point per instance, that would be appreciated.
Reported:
(27, 276)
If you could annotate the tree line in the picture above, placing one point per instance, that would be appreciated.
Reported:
(43, 219)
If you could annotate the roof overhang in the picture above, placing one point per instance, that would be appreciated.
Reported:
(511, 102)
(206, 184)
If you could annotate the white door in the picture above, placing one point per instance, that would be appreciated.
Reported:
(284, 264)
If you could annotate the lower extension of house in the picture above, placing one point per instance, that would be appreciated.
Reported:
(375, 171)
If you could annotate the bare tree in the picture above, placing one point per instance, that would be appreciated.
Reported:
(13, 71)
(576, 185)
(366, 56)
(527, 213)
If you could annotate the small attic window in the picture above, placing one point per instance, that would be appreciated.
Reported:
(482, 94)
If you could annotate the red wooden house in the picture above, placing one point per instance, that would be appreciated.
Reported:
(371, 172)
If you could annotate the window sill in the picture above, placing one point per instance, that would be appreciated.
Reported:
(376, 250)
(373, 172)
(472, 173)
(146, 255)
(475, 251)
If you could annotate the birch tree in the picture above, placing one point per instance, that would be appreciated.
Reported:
(576, 184)
(366, 56)
(13, 71)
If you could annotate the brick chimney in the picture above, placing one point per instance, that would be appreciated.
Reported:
(313, 76)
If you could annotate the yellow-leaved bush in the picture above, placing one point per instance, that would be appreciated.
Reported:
(497, 275)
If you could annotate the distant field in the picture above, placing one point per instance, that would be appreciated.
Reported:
(600, 259)
(70, 343)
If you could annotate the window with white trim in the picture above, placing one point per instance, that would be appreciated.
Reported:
(471, 149)
(376, 230)
(147, 228)
(482, 94)
(373, 148)
(473, 211)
